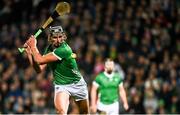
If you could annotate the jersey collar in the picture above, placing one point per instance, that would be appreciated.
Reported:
(109, 75)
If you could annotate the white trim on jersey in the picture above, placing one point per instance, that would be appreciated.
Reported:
(121, 84)
(95, 83)
(57, 56)
(109, 75)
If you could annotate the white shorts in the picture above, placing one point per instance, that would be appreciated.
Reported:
(111, 109)
(77, 90)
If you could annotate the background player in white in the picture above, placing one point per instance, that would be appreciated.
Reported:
(109, 86)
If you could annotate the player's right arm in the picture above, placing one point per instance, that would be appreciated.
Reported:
(38, 68)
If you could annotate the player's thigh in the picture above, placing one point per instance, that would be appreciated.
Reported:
(61, 101)
(83, 106)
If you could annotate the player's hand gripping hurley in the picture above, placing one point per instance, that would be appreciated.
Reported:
(61, 9)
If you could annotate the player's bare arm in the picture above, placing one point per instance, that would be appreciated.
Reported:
(29, 54)
(37, 56)
(39, 61)
(38, 68)
(93, 98)
(123, 96)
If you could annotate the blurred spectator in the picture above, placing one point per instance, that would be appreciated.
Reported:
(150, 102)
(136, 103)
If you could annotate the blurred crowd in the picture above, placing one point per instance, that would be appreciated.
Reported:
(142, 36)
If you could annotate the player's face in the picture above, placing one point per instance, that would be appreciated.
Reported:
(56, 39)
(109, 66)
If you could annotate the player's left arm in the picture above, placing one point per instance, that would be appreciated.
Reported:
(122, 94)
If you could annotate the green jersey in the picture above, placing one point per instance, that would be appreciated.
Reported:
(65, 70)
(108, 87)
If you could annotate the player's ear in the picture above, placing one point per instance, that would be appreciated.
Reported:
(64, 36)
(49, 37)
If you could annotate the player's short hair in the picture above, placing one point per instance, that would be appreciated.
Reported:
(109, 60)
(55, 29)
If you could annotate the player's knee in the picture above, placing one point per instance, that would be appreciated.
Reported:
(61, 111)
(84, 111)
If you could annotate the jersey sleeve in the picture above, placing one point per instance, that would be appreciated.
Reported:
(97, 80)
(61, 53)
(121, 84)
(96, 84)
(120, 78)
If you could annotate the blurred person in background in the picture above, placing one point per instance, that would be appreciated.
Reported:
(150, 101)
(68, 81)
(109, 86)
